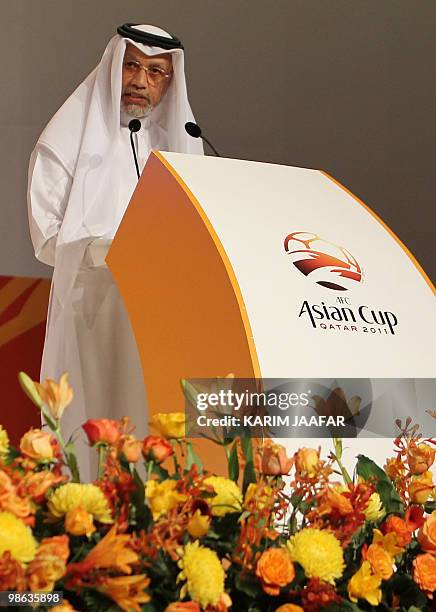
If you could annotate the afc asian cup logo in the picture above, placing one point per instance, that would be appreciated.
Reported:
(326, 263)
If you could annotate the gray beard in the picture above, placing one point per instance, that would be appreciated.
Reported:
(134, 110)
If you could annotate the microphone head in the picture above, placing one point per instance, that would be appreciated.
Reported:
(134, 125)
(193, 129)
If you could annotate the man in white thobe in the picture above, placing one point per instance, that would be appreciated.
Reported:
(81, 177)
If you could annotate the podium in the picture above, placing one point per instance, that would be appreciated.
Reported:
(263, 270)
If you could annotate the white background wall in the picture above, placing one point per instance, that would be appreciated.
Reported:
(347, 86)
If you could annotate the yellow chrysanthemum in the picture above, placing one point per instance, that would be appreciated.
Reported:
(203, 573)
(90, 497)
(162, 496)
(228, 496)
(318, 552)
(16, 537)
(4, 441)
(374, 511)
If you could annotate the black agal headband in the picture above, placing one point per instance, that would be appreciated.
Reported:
(128, 30)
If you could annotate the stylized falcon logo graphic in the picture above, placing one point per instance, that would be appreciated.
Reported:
(328, 264)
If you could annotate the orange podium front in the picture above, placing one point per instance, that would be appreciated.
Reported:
(184, 304)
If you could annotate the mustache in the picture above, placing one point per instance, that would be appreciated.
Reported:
(134, 92)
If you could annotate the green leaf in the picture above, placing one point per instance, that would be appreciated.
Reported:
(249, 473)
(95, 601)
(48, 420)
(13, 453)
(234, 463)
(190, 392)
(296, 500)
(250, 586)
(74, 468)
(408, 591)
(192, 458)
(430, 506)
(366, 468)
(149, 607)
(344, 605)
(160, 472)
(141, 512)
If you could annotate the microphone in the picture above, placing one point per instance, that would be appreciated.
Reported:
(134, 126)
(194, 130)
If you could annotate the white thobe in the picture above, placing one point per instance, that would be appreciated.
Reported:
(89, 336)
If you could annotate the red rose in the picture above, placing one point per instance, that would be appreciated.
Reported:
(157, 449)
(102, 430)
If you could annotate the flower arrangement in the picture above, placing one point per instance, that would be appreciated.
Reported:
(280, 533)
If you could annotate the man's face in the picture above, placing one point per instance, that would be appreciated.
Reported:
(141, 93)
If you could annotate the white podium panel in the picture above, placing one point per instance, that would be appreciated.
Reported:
(364, 310)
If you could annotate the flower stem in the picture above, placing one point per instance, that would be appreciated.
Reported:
(101, 460)
(175, 461)
(150, 469)
(337, 455)
(70, 456)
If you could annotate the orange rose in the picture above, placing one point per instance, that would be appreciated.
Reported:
(17, 505)
(397, 525)
(44, 572)
(107, 431)
(275, 569)
(183, 606)
(56, 545)
(421, 487)
(36, 484)
(78, 522)
(307, 462)
(37, 445)
(274, 460)
(156, 449)
(130, 447)
(427, 534)
(380, 560)
(420, 458)
(424, 573)
(10, 501)
(49, 565)
(11, 573)
(290, 608)
(6, 485)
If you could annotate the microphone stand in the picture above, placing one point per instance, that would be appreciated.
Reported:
(134, 126)
(211, 145)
